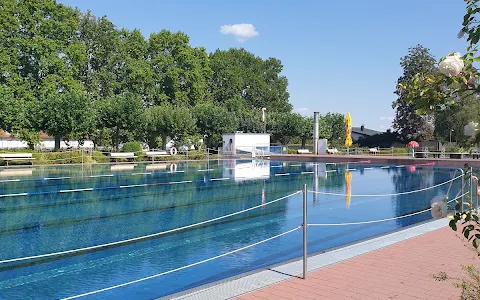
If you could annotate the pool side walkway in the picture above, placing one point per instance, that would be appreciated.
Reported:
(397, 265)
(399, 271)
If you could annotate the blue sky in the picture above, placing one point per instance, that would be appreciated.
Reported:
(339, 56)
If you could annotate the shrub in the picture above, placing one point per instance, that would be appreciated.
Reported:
(400, 150)
(73, 157)
(132, 147)
(99, 157)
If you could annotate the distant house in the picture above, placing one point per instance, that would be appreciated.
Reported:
(9, 141)
(362, 132)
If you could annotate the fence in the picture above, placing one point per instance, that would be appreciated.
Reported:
(469, 185)
(255, 151)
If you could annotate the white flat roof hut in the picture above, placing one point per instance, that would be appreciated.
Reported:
(237, 143)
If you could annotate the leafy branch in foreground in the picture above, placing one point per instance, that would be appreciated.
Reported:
(456, 79)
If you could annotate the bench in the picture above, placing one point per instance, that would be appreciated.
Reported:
(373, 151)
(303, 151)
(16, 156)
(153, 154)
(125, 155)
(332, 151)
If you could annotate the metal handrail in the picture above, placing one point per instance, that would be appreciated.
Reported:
(85, 249)
(181, 268)
(382, 220)
(387, 195)
(304, 225)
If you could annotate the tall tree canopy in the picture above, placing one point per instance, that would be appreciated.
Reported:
(407, 122)
(62, 70)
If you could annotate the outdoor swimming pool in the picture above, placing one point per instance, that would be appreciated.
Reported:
(47, 210)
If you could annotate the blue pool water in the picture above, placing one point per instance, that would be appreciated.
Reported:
(44, 210)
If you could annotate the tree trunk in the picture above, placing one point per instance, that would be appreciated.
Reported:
(303, 143)
(115, 140)
(164, 142)
(58, 138)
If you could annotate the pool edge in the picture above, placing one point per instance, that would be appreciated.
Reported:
(254, 280)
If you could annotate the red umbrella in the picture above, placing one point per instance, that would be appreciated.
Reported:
(413, 144)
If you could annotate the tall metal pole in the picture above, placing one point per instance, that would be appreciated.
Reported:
(315, 132)
(305, 241)
(476, 196)
(471, 187)
(463, 191)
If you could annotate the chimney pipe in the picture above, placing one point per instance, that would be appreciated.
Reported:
(315, 132)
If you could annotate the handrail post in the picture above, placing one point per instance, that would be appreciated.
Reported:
(476, 196)
(471, 187)
(305, 241)
(463, 191)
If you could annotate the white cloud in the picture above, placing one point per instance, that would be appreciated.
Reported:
(242, 32)
(386, 118)
(303, 111)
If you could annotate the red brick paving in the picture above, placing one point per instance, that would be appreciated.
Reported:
(398, 272)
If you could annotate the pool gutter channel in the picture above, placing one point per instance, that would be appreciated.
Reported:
(247, 282)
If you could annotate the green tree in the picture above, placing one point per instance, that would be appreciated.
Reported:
(407, 122)
(168, 121)
(456, 117)
(239, 74)
(336, 124)
(12, 112)
(67, 115)
(288, 128)
(285, 127)
(38, 47)
(212, 121)
(249, 120)
(124, 116)
(103, 56)
(305, 131)
(180, 71)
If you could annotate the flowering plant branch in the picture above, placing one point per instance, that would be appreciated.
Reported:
(455, 78)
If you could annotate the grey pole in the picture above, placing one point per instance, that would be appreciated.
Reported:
(476, 196)
(305, 241)
(471, 187)
(315, 132)
(463, 191)
(315, 183)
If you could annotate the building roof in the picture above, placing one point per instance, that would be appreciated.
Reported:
(365, 131)
(5, 134)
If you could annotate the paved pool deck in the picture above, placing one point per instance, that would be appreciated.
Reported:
(400, 271)
(398, 265)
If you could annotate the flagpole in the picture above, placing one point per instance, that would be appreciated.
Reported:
(264, 119)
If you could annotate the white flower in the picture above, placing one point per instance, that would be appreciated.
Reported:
(452, 65)
(470, 129)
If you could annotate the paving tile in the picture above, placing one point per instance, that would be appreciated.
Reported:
(397, 272)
